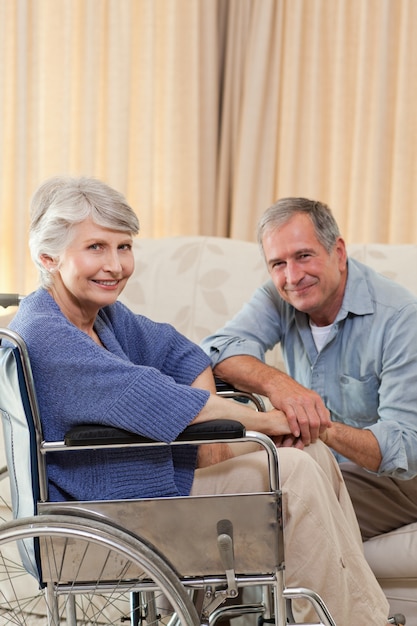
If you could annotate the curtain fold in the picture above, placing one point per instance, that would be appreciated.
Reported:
(205, 112)
(249, 115)
(337, 119)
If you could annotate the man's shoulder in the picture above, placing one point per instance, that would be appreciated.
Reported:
(382, 289)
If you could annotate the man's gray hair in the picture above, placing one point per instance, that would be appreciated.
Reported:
(327, 230)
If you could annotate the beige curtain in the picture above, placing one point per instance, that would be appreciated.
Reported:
(324, 105)
(124, 90)
(203, 112)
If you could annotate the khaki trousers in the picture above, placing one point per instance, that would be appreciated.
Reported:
(323, 547)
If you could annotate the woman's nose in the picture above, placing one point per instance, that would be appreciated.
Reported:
(113, 262)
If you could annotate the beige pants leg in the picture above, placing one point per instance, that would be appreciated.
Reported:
(323, 549)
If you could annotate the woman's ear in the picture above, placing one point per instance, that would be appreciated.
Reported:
(48, 262)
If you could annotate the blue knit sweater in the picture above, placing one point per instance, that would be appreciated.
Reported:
(140, 383)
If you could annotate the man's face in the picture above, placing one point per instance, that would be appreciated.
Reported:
(303, 272)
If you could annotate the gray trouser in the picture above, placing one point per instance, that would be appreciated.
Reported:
(381, 503)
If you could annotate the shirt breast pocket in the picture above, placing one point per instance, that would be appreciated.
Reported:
(355, 402)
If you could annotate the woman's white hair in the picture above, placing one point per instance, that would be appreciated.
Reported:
(62, 202)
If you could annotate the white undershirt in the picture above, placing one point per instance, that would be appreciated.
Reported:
(320, 334)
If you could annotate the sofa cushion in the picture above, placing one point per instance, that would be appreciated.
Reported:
(394, 554)
(195, 283)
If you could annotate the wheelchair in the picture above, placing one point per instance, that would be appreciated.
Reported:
(150, 562)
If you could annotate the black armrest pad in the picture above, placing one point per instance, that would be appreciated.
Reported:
(214, 429)
(92, 434)
(222, 385)
(95, 435)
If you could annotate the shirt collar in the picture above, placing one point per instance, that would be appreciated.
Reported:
(357, 298)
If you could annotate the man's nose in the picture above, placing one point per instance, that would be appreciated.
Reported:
(293, 273)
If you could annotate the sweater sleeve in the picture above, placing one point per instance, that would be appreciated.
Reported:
(154, 344)
(79, 382)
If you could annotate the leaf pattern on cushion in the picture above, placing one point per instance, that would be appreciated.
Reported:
(216, 301)
(390, 275)
(377, 254)
(216, 249)
(133, 293)
(199, 332)
(182, 319)
(187, 256)
(213, 278)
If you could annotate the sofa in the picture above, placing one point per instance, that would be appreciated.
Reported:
(197, 283)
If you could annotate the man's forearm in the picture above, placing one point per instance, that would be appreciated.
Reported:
(248, 374)
(356, 444)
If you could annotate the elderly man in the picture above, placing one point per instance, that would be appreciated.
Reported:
(349, 339)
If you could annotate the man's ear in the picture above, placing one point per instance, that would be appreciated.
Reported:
(341, 252)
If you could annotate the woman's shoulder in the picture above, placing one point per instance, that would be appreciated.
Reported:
(35, 306)
(37, 300)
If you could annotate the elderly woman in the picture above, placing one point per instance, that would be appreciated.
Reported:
(94, 361)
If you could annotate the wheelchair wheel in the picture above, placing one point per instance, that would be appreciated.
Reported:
(94, 574)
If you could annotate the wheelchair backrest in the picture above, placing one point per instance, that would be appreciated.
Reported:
(17, 403)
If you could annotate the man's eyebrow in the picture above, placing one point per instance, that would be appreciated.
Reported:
(304, 250)
(294, 254)
(274, 260)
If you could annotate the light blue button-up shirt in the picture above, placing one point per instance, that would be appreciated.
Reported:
(366, 372)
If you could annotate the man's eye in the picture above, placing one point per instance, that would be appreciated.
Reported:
(125, 246)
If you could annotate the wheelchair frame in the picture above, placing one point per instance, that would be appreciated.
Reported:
(140, 548)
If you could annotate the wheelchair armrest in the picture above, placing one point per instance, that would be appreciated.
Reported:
(9, 299)
(91, 435)
(213, 429)
(229, 391)
(222, 385)
(88, 435)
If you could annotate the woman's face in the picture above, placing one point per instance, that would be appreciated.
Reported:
(93, 270)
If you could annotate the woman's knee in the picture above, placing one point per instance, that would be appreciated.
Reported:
(245, 473)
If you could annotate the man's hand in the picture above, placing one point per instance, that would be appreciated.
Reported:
(288, 441)
(307, 416)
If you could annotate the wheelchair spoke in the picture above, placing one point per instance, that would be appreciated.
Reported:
(92, 571)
